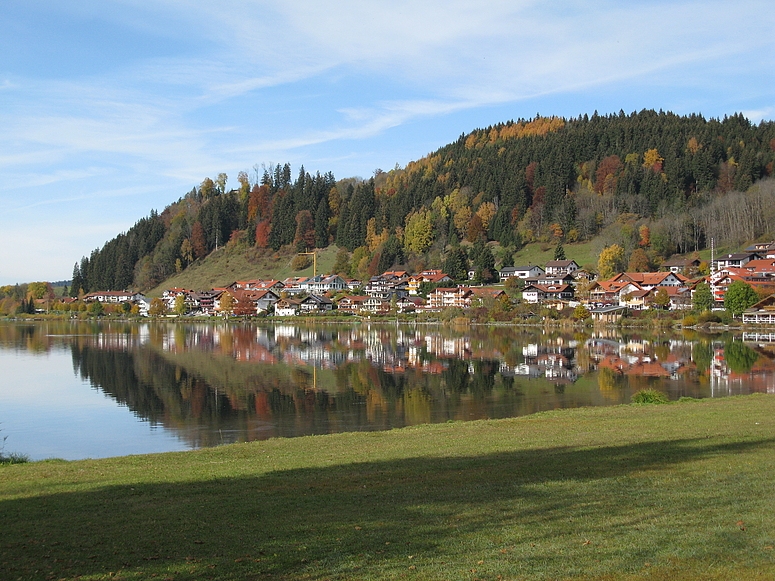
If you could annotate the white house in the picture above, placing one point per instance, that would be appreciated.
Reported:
(530, 271)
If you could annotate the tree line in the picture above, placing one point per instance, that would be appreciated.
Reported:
(685, 178)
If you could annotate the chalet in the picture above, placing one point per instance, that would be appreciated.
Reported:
(248, 302)
(376, 305)
(610, 292)
(561, 267)
(487, 292)
(762, 313)
(296, 285)
(636, 299)
(556, 279)
(275, 285)
(650, 280)
(582, 275)
(324, 284)
(112, 297)
(763, 266)
(538, 293)
(680, 297)
(738, 259)
(529, 271)
(316, 303)
(386, 288)
(607, 314)
(720, 281)
(203, 302)
(351, 304)
(287, 307)
(394, 274)
(265, 299)
(766, 247)
(426, 276)
(410, 304)
(677, 265)
(455, 297)
(353, 283)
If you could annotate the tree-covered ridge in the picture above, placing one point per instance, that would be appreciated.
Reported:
(667, 182)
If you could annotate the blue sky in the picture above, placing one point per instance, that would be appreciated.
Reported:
(109, 109)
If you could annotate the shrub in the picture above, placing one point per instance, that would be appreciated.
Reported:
(645, 396)
(709, 317)
(11, 458)
(689, 321)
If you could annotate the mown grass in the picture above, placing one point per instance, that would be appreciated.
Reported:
(679, 491)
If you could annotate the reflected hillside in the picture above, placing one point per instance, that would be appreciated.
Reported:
(219, 383)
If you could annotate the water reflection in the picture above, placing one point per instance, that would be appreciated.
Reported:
(218, 383)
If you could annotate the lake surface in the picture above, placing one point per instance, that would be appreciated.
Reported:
(89, 390)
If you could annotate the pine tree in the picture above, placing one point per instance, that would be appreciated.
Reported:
(559, 252)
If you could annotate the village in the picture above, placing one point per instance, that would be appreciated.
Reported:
(557, 285)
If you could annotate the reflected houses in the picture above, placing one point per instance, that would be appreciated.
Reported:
(742, 367)
(213, 383)
(554, 360)
(642, 357)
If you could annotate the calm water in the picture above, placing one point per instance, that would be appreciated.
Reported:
(80, 390)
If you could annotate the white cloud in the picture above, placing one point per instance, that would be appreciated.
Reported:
(245, 82)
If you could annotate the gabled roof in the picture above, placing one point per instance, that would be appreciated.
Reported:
(681, 262)
(760, 265)
(455, 289)
(646, 278)
(487, 292)
(317, 299)
(738, 256)
(561, 263)
(552, 289)
(291, 280)
(766, 304)
(519, 268)
(437, 276)
(354, 298)
(613, 286)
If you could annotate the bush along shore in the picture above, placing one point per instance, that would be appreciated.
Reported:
(675, 491)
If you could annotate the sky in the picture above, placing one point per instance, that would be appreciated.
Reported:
(111, 109)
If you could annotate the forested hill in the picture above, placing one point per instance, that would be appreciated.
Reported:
(664, 183)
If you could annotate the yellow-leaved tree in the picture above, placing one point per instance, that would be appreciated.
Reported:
(610, 262)
(418, 234)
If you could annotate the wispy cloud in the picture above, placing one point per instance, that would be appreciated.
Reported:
(196, 88)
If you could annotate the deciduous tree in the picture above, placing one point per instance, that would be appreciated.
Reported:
(157, 307)
(702, 298)
(610, 261)
(418, 235)
(738, 297)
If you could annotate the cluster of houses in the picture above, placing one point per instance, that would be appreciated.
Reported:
(559, 284)
(393, 291)
(754, 266)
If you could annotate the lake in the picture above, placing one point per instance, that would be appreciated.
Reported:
(85, 389)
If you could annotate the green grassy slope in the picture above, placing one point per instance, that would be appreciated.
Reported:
(236, 262)
(680, 491)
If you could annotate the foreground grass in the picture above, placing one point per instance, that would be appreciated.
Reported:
(680, 491)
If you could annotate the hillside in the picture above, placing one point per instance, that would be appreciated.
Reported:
(235, 262)
(649, 181)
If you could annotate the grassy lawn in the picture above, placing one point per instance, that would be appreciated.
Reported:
(679, 491)
(585, 253)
